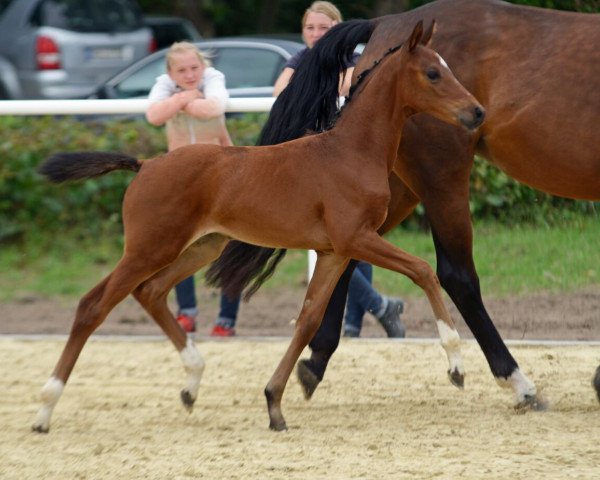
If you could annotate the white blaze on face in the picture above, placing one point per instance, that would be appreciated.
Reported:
(442, 61)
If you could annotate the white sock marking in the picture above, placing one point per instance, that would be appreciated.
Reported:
(451, 343)
(194, 366)
(520, 384)
(51, 392)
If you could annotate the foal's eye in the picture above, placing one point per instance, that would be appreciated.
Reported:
(433, 74)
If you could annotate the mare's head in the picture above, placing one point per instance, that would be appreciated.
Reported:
(429, 86)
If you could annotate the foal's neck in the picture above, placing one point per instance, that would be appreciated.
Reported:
(372, 121)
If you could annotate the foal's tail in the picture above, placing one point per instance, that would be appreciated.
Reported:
(64, 166)
(309, 102)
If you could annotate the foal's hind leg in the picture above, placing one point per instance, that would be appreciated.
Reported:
(152, 295)
(91, 312)
(328, 269)
(371, 248)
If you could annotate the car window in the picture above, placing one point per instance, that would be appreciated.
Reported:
(248, 67)
(140, 83)
(242, 67)
(86, 16)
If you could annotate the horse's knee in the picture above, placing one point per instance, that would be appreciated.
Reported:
(149, 293)
(89, 313)
(424, 276)
(459, 283)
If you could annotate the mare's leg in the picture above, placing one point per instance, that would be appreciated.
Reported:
(370, 247)
(153, 293)
(439, 174)
(311, 371)
(328, 269)
(91, 312)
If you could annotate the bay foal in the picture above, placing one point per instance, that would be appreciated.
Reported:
(327, 192)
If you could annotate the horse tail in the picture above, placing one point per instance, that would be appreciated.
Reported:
(64, 166)
(309, 102)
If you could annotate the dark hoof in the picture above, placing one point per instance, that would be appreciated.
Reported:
(278, 427)
(532, 402)
(596, 382)
(39, 429)
(308, 380)
(187, 400)
(456, 378)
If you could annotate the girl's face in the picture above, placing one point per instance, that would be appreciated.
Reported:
(315, 26)
(186, 70)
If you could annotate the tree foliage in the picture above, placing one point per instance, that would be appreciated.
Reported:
(248, 17)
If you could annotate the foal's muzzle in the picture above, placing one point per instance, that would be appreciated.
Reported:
(473, 117)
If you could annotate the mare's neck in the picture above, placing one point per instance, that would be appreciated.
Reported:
(372, 121)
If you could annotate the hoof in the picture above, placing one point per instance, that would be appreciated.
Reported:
(187, 400)
(40, 429)
(308, 380)
(278, 426)
(596, 382)
(456, 378)
(532, 402)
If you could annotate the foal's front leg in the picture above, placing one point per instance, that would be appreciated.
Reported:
(328, 270)
(370, 247)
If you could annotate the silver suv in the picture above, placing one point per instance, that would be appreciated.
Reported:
(64, 48)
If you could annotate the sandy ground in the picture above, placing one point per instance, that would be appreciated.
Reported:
(385, 410)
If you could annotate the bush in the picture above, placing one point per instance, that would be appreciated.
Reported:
(494, 195)
(30, 205)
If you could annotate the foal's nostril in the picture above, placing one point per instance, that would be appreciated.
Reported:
(479, 114)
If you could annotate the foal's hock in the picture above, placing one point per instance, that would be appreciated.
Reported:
(328, 192)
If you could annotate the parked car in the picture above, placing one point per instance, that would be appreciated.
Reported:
(65, 48)
(250, 66)
(167, 30)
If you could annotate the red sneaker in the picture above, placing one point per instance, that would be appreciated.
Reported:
(219, 331)
(187, 323)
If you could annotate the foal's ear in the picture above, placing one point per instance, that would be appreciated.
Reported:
(415, 36)
(426, 39)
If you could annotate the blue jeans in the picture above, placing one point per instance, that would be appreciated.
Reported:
(362, 297)
(228, 313)
(185, 291)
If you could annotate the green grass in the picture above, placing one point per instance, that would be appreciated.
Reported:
(517, 260)
(509, 261)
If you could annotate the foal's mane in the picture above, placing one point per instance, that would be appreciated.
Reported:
(359, 81)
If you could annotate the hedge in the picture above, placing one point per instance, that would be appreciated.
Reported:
(31, 205)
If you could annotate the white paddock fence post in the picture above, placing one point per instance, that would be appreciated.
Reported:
(126, 106)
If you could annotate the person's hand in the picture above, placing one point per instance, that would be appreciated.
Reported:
(188, 96)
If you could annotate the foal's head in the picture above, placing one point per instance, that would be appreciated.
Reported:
(428, 85)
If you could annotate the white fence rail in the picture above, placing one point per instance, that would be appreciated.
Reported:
(128, 106)
(113, 107)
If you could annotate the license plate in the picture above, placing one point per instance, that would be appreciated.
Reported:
(104, 53)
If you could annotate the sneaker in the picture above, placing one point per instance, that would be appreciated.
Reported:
(351, 333)
(187, 323)
(390, 320)
(220, 331)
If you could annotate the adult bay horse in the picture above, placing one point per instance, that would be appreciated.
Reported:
(536, 72)
(328, 192)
